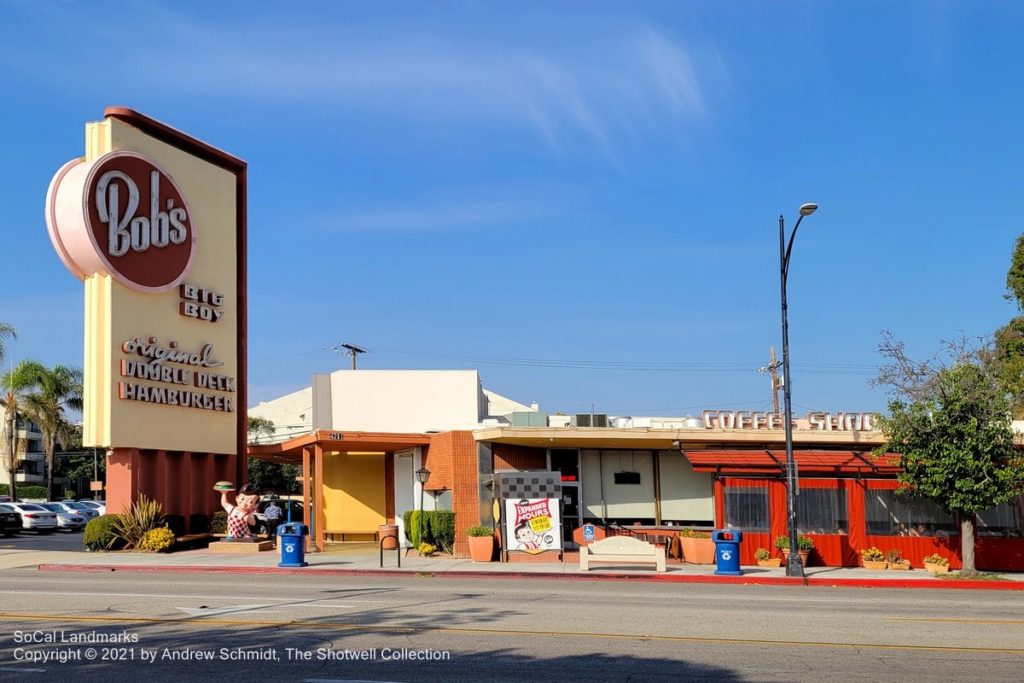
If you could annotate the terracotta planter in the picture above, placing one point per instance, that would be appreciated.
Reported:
(875, 564)
(804, 555)
(903, 565)
(481, 548)
(771, 563)
(388, 534)
(936, 568)
(698, 550)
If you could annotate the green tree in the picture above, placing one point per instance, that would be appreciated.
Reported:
(1008, 356)
(58, 388)
(267, 476)
(14, 387)
(950, 425)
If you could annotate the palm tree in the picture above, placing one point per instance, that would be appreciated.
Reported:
(6, 330)
(58, 388)
(14, 386)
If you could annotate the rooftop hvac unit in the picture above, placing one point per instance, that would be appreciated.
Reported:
(591, 420)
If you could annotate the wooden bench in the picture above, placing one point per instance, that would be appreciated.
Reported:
(622, 550)
(339, 534)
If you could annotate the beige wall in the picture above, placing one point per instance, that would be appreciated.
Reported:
(398, 400)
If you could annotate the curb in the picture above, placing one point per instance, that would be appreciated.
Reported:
(928, 584)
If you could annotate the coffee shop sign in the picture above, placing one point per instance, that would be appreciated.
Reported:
(824, 422)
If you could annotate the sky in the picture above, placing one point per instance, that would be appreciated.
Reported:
(578, 200)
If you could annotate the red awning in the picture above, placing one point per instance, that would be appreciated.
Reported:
(773, 463)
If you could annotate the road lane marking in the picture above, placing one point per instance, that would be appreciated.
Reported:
(955, 620)
(173, 596)
(21, 671)
(502, 632)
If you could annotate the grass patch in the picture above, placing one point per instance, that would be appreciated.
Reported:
(980, 576)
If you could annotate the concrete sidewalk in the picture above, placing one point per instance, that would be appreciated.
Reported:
(363, 558)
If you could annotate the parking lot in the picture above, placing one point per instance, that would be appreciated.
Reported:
(55, 540)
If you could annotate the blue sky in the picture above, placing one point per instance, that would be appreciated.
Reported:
(580, 200)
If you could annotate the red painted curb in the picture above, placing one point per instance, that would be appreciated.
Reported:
(931, 584)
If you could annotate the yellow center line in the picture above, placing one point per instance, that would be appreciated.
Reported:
(190, 621)
(955, 620)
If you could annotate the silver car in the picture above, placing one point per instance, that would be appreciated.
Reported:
(72, 521)
(73, 508)
(100, 506)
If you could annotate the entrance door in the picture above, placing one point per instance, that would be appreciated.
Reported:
(404, 486)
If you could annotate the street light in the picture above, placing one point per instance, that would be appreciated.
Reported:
(422, 474)
(794, 566)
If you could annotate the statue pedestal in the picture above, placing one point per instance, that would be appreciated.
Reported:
(241, 546)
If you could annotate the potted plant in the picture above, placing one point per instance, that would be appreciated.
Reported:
(895, 560)
(481, 543)
(873, 558)
(804, 546)
(765, 559)
(698, 548)
(936, 564)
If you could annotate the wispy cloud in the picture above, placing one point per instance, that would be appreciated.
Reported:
(595, 87)
(427, 218)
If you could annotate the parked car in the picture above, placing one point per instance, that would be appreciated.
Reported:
(99, 506)
(73, 508)
(67, 518)
(35, 517)
(284, 504)
(10, 520)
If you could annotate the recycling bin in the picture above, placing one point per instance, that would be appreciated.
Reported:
(291, 539)
(727, 551)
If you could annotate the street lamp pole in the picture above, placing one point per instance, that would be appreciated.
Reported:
(794, 566)
(422, 474)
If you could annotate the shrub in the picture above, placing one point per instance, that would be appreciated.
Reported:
(219, 522)
(198, 523)
(937, 559)
(480, 531)
(762, 554)
(411, 519)
(35, 492)
(694, 533)
(440, 527)
(176, 523)
(894, 556)
(157, 540)
(802, 543)
(426, 549)
(131, 525)
(99, 533)
(872, 554)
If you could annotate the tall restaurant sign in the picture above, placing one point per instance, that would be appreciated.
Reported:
(152, 221)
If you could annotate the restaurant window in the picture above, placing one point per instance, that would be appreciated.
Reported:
(822, 511)
(746, 508)
(890, 514)
(1002, 520)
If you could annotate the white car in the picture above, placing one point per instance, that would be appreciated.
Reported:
(73, 508)
(35, 517)
(100, 506)
(72, 521)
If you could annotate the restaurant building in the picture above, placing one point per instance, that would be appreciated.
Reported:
(656, 476)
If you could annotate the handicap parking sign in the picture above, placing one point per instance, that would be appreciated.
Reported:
(589, 533)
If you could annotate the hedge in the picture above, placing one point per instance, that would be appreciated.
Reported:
(99, 534)
(26, 491)
(438, 528)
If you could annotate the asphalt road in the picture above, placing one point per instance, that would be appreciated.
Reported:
(260, 627)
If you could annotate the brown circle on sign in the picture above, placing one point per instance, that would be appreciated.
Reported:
(139, 222)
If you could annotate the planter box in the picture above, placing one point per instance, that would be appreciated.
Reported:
(698, 550)
(902, 566)
(936, 568)
(771, 563)
(875, 564)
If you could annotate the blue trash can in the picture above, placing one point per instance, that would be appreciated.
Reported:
(291, 539)
(727, 551)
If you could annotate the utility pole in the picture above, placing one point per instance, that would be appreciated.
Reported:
(348, 349)
(773, 369)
